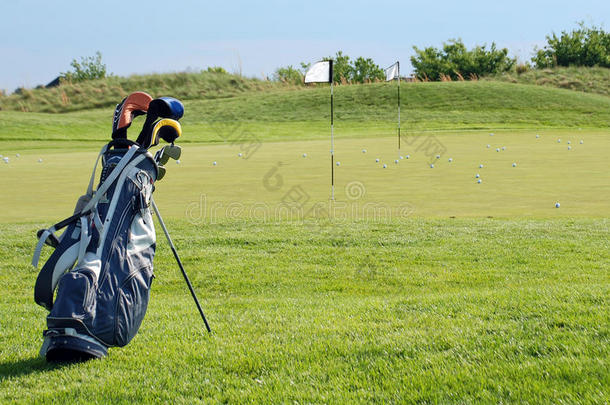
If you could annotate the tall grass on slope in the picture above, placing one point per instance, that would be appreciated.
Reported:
(586, 79)
(107, 92)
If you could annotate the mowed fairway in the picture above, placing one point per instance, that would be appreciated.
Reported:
(416, 284)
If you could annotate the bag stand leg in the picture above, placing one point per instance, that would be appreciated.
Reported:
(186, 278)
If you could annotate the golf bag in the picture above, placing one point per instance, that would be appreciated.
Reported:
(102, 266)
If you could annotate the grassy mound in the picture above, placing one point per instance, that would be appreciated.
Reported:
(107, 92)
(589, 80)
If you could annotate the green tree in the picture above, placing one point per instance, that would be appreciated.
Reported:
(454, 60)
(342, 69)
(288, 74)
(89, 68)
(583, 46)
(364, 70)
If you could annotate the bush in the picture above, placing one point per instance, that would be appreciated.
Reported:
(581, 47)
(216, 69)
(89, 68)
(454, 61)
(288, 74)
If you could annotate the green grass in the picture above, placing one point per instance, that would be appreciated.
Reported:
(419, 310)
(416, 285)
(584, 79)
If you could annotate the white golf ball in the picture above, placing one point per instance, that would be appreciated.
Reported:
(569, 148)
(569, 142)
(480, 166)
(497, 149)
(477, 176)
(514, 165)
(438, 156)
(396, 161)
(1, 156)
(559, 140)
(492, 134)
(402, 157)
(581, 141)
(503, 147)
(17, 155)
(479, 181)
(214, 163)
(488, 146)
(450, 160)
(363, 150)
(178, 161)
(537, 136)
(5, 159)
(385, 166)
(240, 154)
(40, 160)
(431, 166)
(376, 160)
(408, 156)
(304, 155)
(557, 205)
(338, 163)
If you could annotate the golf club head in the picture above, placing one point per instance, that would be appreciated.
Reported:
(133, 105)
(160, 172)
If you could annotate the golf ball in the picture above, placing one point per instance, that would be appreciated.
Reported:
(514, 165)
(40, 160)
(480, 166)
(402, 157)
(569, 142)
(557, 205)
(363, 150)
(178, 161)
(559, 140)
(377, 160)
(396, 161)
(450, 160)
(503, 147)
(338, 163)
(5, 159)
(385, 166)
(488, 146)
(581, 141)
(497, 149)
(479, 181)
(438, 156)
(304, 154)
(537, 136)
(569, 147)
(477, 176)
(214, 163)
(1, 156)
(240, 154)
(408, 156)
(17, 155)
(492, 134)
(431, 166)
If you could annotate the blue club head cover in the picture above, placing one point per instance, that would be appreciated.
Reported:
(166, 107)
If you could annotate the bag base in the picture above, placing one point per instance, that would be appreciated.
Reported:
(71, 347)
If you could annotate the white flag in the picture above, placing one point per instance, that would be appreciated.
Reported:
(392, 72)
(320, 72)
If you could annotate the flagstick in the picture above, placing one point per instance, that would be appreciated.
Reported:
(332, 144)
(398, 109)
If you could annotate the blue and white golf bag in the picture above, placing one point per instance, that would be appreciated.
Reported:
(102, 266)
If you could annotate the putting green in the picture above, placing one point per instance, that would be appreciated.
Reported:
(269, 177)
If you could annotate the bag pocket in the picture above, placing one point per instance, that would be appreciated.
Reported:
(132, 302)
(75, 298)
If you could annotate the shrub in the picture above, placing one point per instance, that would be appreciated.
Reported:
(288, 74)
(454, 61)
(89, 68)
(582, 47)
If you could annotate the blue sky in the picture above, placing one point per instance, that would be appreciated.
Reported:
(38, 39)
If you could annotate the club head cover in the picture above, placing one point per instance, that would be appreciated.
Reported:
(167, 129)
(133, 105)
(166, 107)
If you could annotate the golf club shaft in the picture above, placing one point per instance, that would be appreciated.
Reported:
(186, 278)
